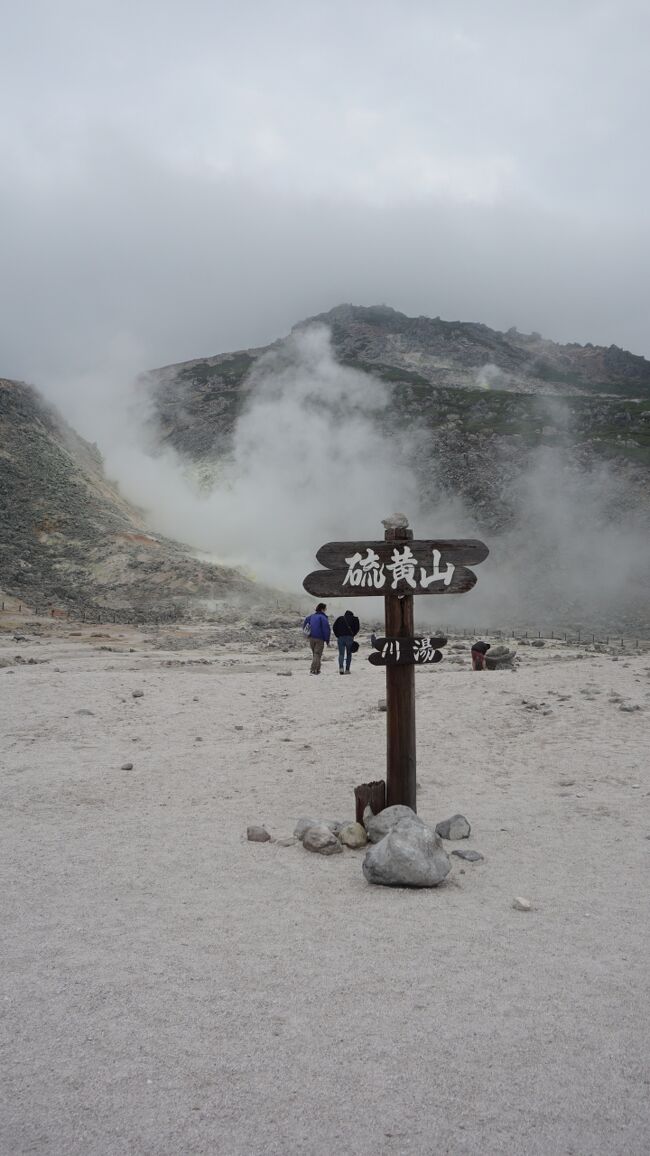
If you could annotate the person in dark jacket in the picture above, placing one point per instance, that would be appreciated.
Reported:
(317, 627)
(345, 629)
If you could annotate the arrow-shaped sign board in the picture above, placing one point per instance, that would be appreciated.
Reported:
(406, 651)
(363, 569)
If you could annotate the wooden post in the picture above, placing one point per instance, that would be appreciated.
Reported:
(400, 697)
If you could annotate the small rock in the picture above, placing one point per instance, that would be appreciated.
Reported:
(198, 739)
(287, 841)
(353, 835)
(566, 782)
(521, 904)
(303, 825)
(335, 825)
(196, 698)
(538, 642)
(258, 835)
(284, 673)
(455, 828)
(381, 705)
(137, 694)
(239, 728)
(321, 840)
(126, 767)
(629, 707)
(394, 521)
(84, 711)
(470, 856)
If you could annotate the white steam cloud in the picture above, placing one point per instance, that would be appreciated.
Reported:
(308, 463)
(314, 459)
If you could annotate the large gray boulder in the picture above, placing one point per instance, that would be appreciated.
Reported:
(379, 825)
(410, 855)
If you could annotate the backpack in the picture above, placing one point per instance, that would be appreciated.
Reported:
(306, 629)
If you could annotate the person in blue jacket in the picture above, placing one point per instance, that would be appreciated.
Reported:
(317, 627)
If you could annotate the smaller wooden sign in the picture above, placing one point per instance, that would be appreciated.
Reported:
(406, 651)
(436, 641)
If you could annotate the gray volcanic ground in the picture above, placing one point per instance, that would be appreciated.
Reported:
(171, 988)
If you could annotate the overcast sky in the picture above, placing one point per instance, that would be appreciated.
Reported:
(184, 177)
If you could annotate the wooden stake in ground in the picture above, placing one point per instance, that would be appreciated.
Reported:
(396, 569)
(400, 696)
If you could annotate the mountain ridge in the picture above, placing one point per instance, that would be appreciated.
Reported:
(196, 404)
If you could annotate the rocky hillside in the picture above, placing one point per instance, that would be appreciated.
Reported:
(544, 448)
(480, 401)
(69, 541)
(429, 351)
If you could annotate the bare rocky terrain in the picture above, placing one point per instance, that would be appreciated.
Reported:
(485, 399)
(68, 539)
(170, 987)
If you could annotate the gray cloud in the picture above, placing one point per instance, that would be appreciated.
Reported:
(188, 179)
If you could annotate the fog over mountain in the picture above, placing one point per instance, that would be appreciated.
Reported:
(255, 458)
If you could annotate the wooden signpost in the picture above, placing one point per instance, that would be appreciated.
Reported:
(397, 568)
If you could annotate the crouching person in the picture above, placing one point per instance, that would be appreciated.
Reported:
(479, 651)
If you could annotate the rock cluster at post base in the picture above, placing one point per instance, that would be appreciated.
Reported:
(404, 851)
